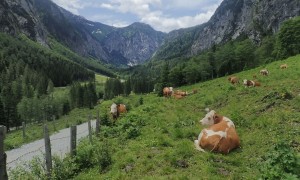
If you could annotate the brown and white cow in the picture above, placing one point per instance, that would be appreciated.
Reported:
(168, 91)
(117, 109)
(283, 66)
(180, 92)
(264, 72)
(250, 83)
(220, 136)
(233, 80)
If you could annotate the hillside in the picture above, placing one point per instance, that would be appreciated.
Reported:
(164, 148)
(154, 140)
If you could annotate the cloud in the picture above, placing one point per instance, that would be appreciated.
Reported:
(163, 15)
(70, 5)
(166, 24)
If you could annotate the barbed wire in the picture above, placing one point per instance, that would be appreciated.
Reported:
(39, 149)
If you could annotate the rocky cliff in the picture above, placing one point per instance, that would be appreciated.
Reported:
(233, 18)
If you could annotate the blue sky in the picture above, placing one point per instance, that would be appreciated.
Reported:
(162, 15)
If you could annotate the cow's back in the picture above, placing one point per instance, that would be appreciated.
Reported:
(221, 137)
(122, 108)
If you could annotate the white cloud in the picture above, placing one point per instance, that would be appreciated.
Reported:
(166, 24)
(163, 15)
(70, 5)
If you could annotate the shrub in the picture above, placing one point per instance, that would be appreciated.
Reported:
(103, 156)
(280, 163)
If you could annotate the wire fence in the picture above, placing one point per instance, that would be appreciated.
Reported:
(56, 143)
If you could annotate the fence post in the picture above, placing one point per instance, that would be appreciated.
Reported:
(24, 133)
(53, 120)
(3, 172)
(47, 151)
(73, 131)
(90, 131)
(98, 125)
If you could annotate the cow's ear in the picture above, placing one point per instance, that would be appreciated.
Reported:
(217, 118)
(207, 109)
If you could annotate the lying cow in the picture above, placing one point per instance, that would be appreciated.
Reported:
(182, 93)
(233, 80)
(168, 91)
(264, 72)
(283, 66)
(250, 83)
(117, 109)
(220, 136)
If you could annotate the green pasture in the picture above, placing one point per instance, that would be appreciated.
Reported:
(164, 148)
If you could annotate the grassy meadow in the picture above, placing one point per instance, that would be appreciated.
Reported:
(154, 140)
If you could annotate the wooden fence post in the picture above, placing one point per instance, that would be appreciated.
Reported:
(47, 151)
(98, 125)
(53, 120)
(90, 131)
(3, 172)
(73, 131)
(24, 133)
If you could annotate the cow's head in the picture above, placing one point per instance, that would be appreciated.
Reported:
(245, 81)
(208, 120)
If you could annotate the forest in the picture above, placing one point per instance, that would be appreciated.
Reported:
(28, 74)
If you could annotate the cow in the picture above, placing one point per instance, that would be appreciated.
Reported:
(283, 66)
(233, 80)
(250, 83)
(220, 135)
(264, 72)
(178, 96)
(117, 109)
(182, 93)
(168, 91)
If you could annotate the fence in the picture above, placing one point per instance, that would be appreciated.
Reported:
(57, 141)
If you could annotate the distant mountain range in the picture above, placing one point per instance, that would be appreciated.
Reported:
(39, 19)
(137, 43)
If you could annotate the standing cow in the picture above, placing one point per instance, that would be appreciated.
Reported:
(233, 80)
(117, 109)
(168, 91)
(264, 72)
(220, 136)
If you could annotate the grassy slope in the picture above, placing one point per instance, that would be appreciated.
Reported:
(166, 141)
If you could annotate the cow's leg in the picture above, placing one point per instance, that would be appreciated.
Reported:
(197, 142)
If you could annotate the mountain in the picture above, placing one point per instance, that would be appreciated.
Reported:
(233, 18)
(40, 19)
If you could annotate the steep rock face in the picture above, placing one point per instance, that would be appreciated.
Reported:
(233, 18)
(136, 42)
(19, 16)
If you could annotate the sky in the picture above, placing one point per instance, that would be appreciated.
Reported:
(162, 15)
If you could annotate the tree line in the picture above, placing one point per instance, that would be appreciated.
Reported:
(28, 74)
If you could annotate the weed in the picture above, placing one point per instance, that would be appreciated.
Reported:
(280, 163)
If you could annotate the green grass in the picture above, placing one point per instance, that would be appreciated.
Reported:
(155, 140)
(164, 149)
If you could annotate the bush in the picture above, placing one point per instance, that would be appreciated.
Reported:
(63, 168)
(103, 156)
(280, 163)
